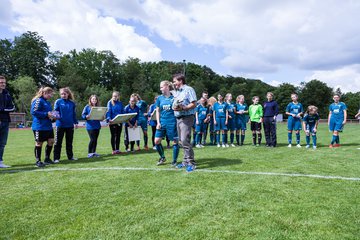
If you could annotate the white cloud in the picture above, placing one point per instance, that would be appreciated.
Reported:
(67, 25)
(346, 78)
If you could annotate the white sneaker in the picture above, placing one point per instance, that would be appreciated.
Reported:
(73, 159)
(226, 145)
(289, 145)
(223, 145)
(218, 145)
(307, 146)
(202, 146)
(232, 145)
(154, 148)
(314, 147)
(2, 165)
(198, 146)
(298, 146)
(56, 161)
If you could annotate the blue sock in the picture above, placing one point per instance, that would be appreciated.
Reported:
(231, 138)
(145, 140)
(200, 138)
(337, 139)
(333, 140)
(218, 138)
(160, 150)
(223, 138)
(175, 152)
(212, 138)
(242, 139)
(298, 138)
(314, 139)
(289, 137)
(307, 140)
(238, 139)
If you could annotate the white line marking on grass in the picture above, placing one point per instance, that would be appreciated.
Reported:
(197, 170)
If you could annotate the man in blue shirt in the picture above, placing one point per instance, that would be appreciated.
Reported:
(184, 110)
(336, 120)
(6, 106)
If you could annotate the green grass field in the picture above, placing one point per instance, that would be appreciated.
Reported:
(236, 193)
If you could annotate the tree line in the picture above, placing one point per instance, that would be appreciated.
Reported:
(27, 63)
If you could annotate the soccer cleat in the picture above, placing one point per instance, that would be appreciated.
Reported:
(40, 164)
(226, 145)
(118, 152)
(161, 161)
(146, 148)
(128, 150)
(218, 145)
(2, 165)
(198, 146)
(174, 163)
(307, 146)
(202, 146)
(56, 161)
(289, 145)
(91, 155)
(73, 159)
(138, 149)
(154, 148)
(181, 165)
(48, 161)
(336, 145)
(190, 168)
(298, 146)
(223, 145)
(331, 146)
(98, 155)
(232, 145)
(113, 152)
(314, 147)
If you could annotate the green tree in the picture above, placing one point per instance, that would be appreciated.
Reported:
(27, 88)
(282, 95)
(352, 101)
(316, 93)
(29, 55)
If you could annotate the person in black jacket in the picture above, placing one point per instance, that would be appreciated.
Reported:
(6, 106)
(271, 110)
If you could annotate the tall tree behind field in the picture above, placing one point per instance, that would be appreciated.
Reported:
(282, 95)
(316, 93)
(29, 56)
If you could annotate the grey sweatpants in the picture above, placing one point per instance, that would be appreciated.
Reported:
(184, 126)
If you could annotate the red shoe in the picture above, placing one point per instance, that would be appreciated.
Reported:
(331, 146)
(337, 145)
(114, 152)
(146, 148)
(138, 149)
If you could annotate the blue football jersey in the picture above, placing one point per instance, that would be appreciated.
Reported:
(220, 109)
(202, 112)
(311, 119)
(165, 107)
(337, 110)
(294, 108)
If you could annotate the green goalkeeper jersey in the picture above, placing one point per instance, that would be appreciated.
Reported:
(255, 112)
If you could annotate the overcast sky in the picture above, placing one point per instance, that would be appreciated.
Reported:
(276, 41)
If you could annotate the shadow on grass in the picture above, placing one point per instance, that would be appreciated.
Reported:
(217, 162)
(105, 157)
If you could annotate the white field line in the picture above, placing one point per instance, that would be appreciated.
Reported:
(197, 170)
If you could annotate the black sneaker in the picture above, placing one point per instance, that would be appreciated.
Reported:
(48, 161)
(40, 164)
(161, 161)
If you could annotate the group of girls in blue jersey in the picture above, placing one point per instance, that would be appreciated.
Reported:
(221, 115)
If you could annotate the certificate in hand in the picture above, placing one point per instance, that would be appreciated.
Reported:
(97, 113)
(121, 118)
(134, 134)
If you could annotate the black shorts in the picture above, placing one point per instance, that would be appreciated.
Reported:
(255, 126)
(42, 136)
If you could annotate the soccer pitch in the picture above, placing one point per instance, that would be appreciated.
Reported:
(236, 193)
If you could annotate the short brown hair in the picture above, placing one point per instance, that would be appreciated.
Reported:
(180, 77)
